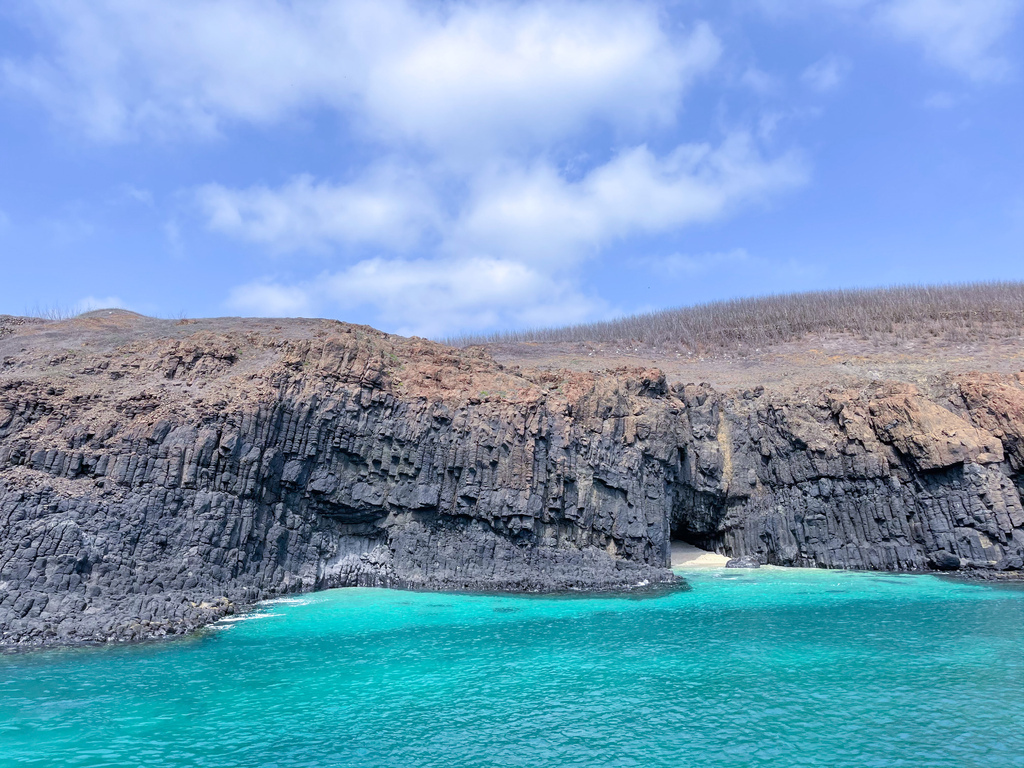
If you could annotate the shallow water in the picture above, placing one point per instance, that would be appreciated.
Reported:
(769, 668)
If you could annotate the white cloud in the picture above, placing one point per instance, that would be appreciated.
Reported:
(525, 214)
(961, 34)
(535, 72)
(509, 254)
(431, 297)
(536, 215)
(461, 215)
(388, 207)
(271, 300)
(119, 68)
(826, 74)
(451, 76)
(506, 253)
(427, 297)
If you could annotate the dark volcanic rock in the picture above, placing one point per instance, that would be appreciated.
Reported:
(157, 475)
(944, 561)
(747, 561)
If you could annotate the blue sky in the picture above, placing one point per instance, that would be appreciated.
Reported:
(431, 168)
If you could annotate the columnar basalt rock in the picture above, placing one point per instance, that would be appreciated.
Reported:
(884, 480)
(156, 475)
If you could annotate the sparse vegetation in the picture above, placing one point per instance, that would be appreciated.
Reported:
(52, 312)
(955, 312)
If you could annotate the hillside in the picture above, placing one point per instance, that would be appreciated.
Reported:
(957, 313)
(913, 335)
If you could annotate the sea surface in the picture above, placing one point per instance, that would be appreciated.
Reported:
(748, 668)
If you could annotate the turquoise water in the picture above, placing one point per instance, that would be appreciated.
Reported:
(766, 668)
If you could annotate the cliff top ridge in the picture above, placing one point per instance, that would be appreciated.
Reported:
(838, 339)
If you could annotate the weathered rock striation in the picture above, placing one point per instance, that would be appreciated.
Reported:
(155, 475)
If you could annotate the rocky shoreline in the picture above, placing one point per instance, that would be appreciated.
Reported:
(157, 475)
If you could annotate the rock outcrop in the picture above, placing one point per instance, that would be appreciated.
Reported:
(156, 475)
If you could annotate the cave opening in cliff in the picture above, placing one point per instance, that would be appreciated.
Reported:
(695, 520)
(689, 547)
(682, 533)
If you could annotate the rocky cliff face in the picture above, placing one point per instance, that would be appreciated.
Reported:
(156, 475)
(880, 479)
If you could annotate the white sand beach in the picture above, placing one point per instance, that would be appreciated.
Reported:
(688, 556)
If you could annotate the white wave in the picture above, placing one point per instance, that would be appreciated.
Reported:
(287, 601)
(246, 617)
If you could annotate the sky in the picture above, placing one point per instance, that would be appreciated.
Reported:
(438, 168)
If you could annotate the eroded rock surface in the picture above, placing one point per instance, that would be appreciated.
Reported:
(156, 475)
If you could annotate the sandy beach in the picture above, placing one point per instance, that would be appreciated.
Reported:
(689, 556)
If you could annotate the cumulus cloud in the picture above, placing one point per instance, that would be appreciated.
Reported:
(537, 215)
(121, 68)
(388, 207)
(456, 211)
(451, 76)
(527, 214)
(535, 72)
(508, 253)
(266, 299)
(962, 34)
(429, 297)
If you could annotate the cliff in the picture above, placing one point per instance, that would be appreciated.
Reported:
(155, 475)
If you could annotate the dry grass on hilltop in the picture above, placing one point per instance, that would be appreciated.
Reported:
(956, 313)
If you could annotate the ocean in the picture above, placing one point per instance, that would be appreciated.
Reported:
(768, 667)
